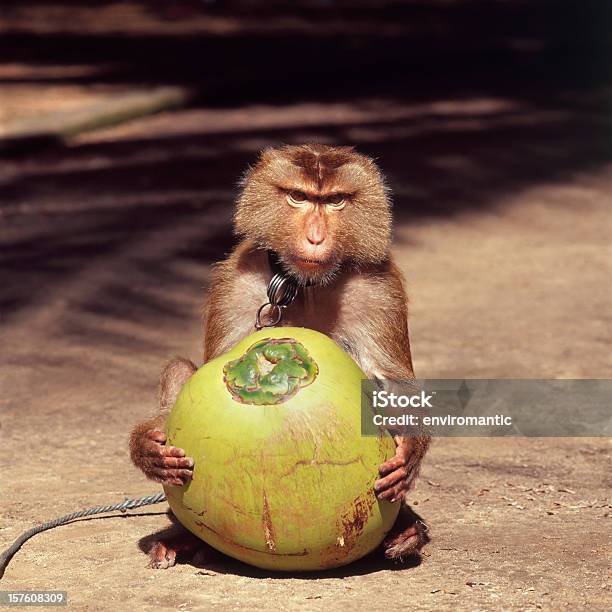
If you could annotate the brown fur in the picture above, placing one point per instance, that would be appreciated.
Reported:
(357, 298)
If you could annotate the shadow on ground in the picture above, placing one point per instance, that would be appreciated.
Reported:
(211, 560)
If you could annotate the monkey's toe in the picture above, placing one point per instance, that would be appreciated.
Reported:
(408, 536)
(161, 557)
(405, 544)
(202, 556)
(163, 554)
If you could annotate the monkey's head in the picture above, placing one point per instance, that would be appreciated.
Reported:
(319, 207)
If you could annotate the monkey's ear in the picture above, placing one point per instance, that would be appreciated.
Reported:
(244, 178)
(267, 154)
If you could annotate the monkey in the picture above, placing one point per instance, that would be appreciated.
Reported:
(324, 213)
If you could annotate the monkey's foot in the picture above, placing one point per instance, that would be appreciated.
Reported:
(163, 554)
(407, 537)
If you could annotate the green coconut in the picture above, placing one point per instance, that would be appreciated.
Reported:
(283, 478)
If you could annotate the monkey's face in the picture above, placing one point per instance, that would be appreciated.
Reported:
(319, 207)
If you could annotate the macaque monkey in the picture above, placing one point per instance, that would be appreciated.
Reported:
(325, 214)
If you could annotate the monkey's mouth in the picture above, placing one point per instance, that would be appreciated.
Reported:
(310, 264)
(319, 270)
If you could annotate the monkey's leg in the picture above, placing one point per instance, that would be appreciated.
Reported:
(408, 535)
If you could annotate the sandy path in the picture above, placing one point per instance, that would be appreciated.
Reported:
(106, 249)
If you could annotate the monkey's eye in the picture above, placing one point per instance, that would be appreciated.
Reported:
(337, 200)
(297, 197)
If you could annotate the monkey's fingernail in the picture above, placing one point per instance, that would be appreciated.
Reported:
(189, 462)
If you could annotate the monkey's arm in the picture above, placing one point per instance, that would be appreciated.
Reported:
(389, 358)
(148, 450)
(399, 473)
(227, 318)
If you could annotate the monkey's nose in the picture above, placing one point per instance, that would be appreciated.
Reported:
(316, 240)
(315, 234)
(315, 230)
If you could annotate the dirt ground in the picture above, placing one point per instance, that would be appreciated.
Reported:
(503, 232)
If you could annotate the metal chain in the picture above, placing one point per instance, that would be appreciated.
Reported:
(127, 504)
(281, 291)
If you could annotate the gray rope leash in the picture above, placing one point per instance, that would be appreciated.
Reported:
(128, 504)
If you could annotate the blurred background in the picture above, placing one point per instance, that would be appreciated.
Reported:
(124, 127)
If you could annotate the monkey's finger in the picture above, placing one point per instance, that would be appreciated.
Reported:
(177, 462)
(156, 435)
(171, 475)
(391, 465)
(153, 451)
(399, 491)
(390, 480)
(173, 451)
(156, 450)
(394, 493)
(162, 462)
(175, 482)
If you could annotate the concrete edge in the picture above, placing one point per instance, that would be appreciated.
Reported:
(56, 128)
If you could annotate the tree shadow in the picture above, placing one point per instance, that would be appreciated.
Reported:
(127, 226)
(123, 227)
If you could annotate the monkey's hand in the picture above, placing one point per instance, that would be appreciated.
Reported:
(165, 464)
(398, 473)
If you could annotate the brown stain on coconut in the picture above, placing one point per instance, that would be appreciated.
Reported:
(350, 527)
(206, 528)
(267, 524)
